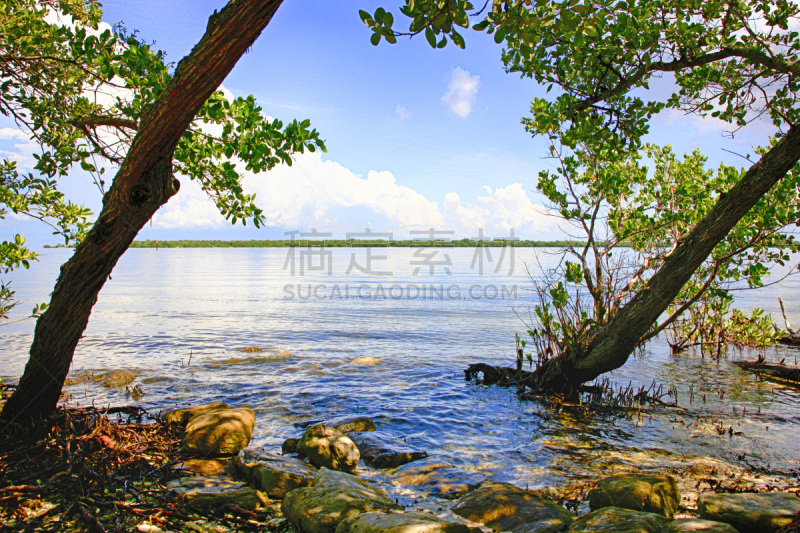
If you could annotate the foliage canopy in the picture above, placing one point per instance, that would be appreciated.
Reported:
(81, 92)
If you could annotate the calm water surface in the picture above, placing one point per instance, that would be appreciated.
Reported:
(357, 343)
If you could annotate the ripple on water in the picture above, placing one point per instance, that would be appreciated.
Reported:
(181, 318)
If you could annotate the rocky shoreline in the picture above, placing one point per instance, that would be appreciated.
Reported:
(314, 486)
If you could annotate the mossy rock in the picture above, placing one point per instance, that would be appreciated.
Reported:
(638, 492)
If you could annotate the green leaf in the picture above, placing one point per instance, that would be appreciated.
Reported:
(431, 37)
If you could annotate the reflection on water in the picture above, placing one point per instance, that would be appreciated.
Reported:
(181, 319)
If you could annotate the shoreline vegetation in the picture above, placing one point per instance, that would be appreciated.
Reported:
(345, 243)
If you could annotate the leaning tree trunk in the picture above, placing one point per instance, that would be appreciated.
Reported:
(608, 348)
(143, 184)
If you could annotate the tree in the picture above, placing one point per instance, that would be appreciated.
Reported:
(608, 203)
(57, 81)
(734, 60)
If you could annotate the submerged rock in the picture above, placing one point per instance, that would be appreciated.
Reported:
(400, 522)
(366, 361)
(439, 479)
(273, 474)
(115, 378)
(617, 520)
(181, 416)
(326, 447)
(211, 492)
(344, 424)
(751, 511)
(222, 432)
(506, 507)
(381, 450)
(351, 424)
(689, 525)
(638, 492)
(331, 498)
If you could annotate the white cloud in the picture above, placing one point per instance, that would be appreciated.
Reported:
(22, 151)
(462, 91)
(13, 133)
(314, 193)
(190, 208)
(401, 114)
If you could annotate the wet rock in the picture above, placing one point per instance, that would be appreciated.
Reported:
(211, 492)
(290, 446)
(381, 450)
(155, 379)
(326, 447)
(638, 492)
(750, 511)
(222, 432)
(439, 479)
(400, 522)
(351, 424)
(688, 525)
(181, 416)
(506, 507)
(273, 474)
(252, 349)
(366, 361)
(206, 467)
(115, 378)
(332, 497)
(344, 424)
(617, 520)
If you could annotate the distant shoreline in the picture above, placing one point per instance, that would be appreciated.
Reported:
(341, 243)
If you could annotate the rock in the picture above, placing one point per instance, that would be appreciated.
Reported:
(252, 349)
(332, 497)
(400, 522)
(381, 450)
(206, 467)
(688, 525)
(222, 432)
(289, 446)
(366, 361)
(506, 507)
(351, 424)
(617, 520)
(439, 479)
(638, 492)
(147, 527)
(115, 378)
(273, 474)
(181, 416)
(211, 492)
(750, 511)
(326, 447)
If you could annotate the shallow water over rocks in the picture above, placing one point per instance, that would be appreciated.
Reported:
(185, 322)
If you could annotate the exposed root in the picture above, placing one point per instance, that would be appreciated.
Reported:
(83, 472)
(598, 396)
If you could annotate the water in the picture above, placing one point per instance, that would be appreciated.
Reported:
(336, 345)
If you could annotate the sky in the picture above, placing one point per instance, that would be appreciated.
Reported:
(417, 138)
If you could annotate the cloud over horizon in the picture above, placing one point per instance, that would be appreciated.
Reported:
(327, 196)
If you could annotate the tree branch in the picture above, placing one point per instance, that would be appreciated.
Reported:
(775, 63)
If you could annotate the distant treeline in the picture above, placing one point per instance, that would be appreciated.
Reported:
(341, 243)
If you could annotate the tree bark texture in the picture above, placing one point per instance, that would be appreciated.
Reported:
(143, 184)
(609, 347)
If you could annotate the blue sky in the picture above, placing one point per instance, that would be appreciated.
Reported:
(416, 137)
